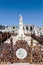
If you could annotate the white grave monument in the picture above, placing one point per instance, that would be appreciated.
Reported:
(21, 31)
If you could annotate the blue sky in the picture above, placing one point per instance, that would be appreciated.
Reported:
(31, 10)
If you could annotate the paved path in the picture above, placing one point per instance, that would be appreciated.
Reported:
(15, 38)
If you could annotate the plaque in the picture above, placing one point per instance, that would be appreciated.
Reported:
(21, 53)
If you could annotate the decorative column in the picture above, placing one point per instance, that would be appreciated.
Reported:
(11, 51)
(7, 35)
(1, 38)
(40, 54)
(0, 47)
(31, 49)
